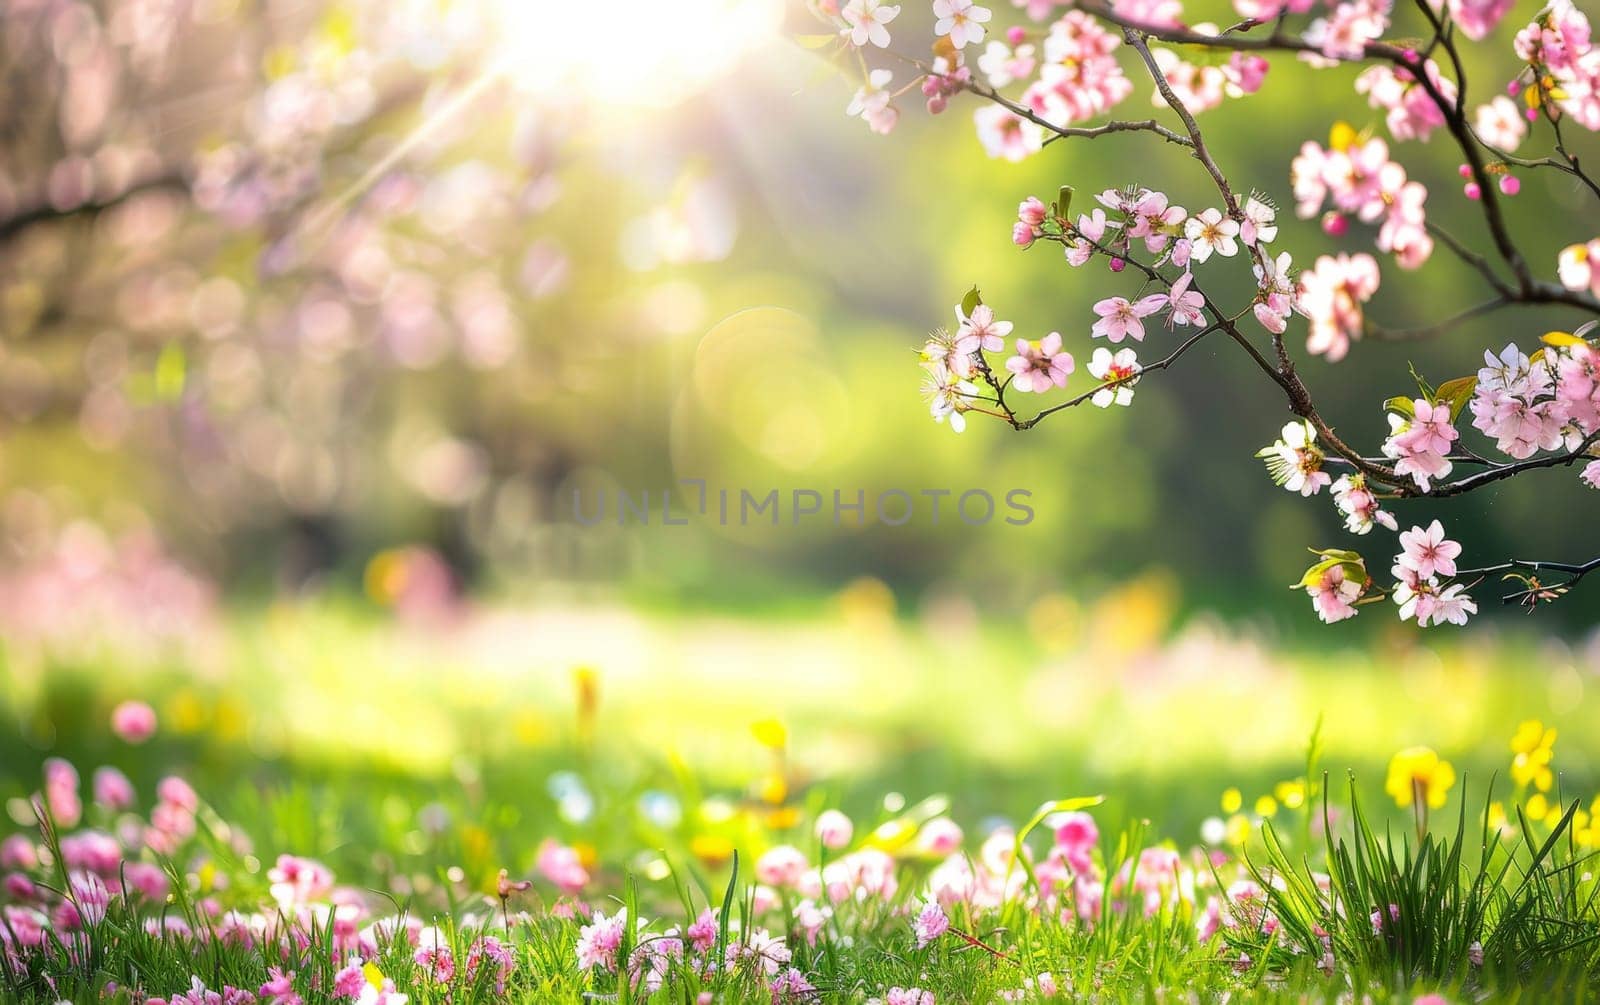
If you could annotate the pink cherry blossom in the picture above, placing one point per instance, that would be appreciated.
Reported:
(1349, 26)
(1007, 135)
(1152, 220)
(1079, 77)
(1453, 605)
(1427, 552)
(1040, 365)
(1411, 111)
(1499, 123)
(1476, 18)
(1004, 65)
(1331, 294)
(962, 20)
(1359, 505)
(1294, 461)
(980, 330)
(1333, 595)
(871, 102)
(867, 19)
(1121, 318)
(1578, 266)
(1185, 306)
(1430, 429)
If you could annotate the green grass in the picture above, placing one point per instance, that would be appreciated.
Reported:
(417, 764)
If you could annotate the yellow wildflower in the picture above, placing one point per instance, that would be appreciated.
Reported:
(1417, 774)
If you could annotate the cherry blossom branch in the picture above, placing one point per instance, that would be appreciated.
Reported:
(1278, 41)
(1567, 166)
(1057, 132)
(1528, 289)
(983, 90)
(1197, 141)
(1534, 590)
(1160, 364)
(1300, 402)
(1572, 159)
(1472, 258)
(1503, 471)
(43, 212)
(1455, 121)
(1376, 331)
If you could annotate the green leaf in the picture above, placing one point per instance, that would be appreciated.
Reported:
(1422, 385)
(1064, 202)
(1456, 393)
(1338, 553)
(970, 302)
(1355, 567)
(1401, 405)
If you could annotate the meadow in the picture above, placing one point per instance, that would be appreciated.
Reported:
(318, 683)
(835, 803)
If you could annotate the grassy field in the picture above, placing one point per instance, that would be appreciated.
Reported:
(670, 764)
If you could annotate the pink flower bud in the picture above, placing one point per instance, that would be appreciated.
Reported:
(17, 852)
(177, 793)
(112, 789)
(1472, 191)
(939, 837)
(1016, 35)
(133, 722)
(1464, 170)
(1335, 224)
(1117, 265)
(1032, 211)
(19, 886)
(1509, 185)
(834, 830)
(1021, 235)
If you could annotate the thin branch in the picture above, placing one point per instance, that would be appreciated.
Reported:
(1115, 126)
(1283, 374)
(1505, 471)
(1572, 159)
(1382, 334)
(1535, 591)
(1058, 132)
(1160, 364)
(43, 212)
(1197, 141)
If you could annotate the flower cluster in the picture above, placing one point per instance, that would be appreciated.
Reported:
(1563, 72)
(1332, 293)
(1358, 178)
(1068, 71)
